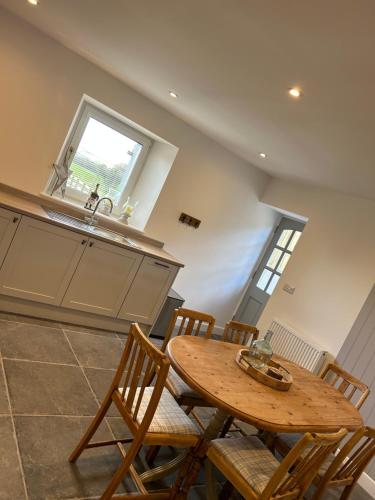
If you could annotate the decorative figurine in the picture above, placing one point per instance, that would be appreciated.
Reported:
(92, 199)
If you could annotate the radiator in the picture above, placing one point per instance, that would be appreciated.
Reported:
(286, 342)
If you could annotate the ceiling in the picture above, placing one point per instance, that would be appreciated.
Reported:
(232, 62)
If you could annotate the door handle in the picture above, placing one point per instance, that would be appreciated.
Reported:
(15, 219)
(91, 244)
(83, 242)
(161, 265)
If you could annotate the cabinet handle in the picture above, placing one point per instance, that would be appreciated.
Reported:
(15, 219)
(83, 242)
(161, 265)
(91, 244)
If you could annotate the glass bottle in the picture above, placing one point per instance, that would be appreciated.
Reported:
(261, 352)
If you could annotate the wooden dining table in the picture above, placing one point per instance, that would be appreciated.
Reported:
(209, 367)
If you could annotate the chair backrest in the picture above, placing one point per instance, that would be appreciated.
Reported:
(304, 461)
(350, 462)
(139, 360)
(191, 323)
(239, 333)
(353, 389)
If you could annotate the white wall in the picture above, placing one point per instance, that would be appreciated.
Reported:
(41, 86)
(332, 267)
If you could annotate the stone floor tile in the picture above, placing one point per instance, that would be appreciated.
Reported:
(100, 381)
(45, 389)
(119, 428)
(96, 351)
(45, 444)
(4, 405)
(35, 343)
(11, 484)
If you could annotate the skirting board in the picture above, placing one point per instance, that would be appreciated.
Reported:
(368, 484)
(54, 313)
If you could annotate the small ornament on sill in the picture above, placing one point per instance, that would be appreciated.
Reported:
(92, 199)
(127, 211)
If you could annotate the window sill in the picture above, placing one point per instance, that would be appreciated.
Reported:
(104, 220)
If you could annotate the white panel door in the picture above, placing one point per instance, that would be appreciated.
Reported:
(102, 278)
(8, 224)
(148, 291)
(41, 261)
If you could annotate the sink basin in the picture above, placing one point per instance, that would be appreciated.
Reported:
(107, 233)
(81, 224)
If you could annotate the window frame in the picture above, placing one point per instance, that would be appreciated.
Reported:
(74, 138)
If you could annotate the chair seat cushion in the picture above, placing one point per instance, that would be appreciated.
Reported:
(249, 458)
(169, 417)
(179, 387)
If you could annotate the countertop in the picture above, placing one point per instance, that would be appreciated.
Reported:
(24, 206)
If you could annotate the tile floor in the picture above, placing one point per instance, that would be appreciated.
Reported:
(52, 377)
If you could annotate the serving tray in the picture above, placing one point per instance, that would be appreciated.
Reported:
(261, 375)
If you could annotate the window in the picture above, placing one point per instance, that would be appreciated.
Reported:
(278, 260)
(103, 150)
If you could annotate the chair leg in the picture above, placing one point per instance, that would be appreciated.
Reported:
(117, 478)
(226, 491)
(227, 426)
(151, 454)
(91, 429)
(347, 491)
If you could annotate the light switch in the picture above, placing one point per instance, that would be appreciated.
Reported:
(289, 289)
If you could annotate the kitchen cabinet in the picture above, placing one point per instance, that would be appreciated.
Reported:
(8, 224)
(102, 278)
(148, 291)
(40, 261)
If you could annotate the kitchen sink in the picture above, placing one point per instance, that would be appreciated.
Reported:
(82, 224)
(107, 233)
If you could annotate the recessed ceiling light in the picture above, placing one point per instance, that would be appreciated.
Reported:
(295, 92)
(33, 2)
(173, 94)
(262, 155)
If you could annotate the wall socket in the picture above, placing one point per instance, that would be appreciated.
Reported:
(189, 220)
(289, 289)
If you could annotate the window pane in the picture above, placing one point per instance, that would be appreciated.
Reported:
(294, 240)
(105, 157)
(263, 280)
(273, 283)
(284, 238)
(274, 259)
(283, 262)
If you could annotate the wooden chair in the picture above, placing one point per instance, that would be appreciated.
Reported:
(257, 475)
(239, 333)
(151, 413)
(345, 468)
(348, 385)
(191, 324)
(353, 389)
(197, 323)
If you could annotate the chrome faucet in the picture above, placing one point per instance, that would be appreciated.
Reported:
(91, 220)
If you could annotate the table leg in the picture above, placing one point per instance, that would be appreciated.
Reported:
(191, 466)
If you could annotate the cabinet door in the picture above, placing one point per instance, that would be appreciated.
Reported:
(148, 291)
(8, 224)
(40, 262)
(102, 279)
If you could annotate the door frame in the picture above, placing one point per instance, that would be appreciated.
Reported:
(284, 223)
